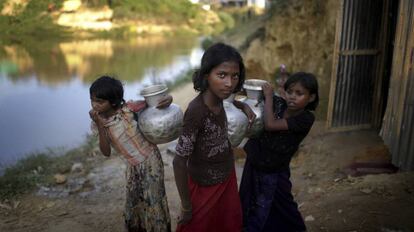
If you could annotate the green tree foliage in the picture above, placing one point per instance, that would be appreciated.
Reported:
(34, 20)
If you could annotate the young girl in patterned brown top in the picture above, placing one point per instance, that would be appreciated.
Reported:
(204, 166)
(146, 206)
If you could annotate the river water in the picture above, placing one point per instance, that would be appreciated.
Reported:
(44, 86)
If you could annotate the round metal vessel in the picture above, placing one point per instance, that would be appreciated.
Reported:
(254, 99)
(237, 122)
(159, 125)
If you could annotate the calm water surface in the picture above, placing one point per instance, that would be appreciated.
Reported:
(44, 86)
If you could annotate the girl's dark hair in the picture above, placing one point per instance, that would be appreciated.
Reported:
(212, 57)
(108, 88)
(309, 82)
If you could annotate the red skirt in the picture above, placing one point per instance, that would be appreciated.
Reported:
(215, 208)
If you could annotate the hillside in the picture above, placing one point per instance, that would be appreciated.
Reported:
(299, 34)
(76, 18)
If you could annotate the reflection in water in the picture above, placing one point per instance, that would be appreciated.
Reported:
(77, 54)
(55, 63)
(19, 56)
(44, 86)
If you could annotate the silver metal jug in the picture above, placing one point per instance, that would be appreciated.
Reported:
(254, 99)
(159, 125)
(237, 122)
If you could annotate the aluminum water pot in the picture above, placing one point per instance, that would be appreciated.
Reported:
(237, 121)
(254, 99)
(159, 125)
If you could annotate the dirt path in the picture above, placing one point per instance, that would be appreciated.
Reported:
(329, 198)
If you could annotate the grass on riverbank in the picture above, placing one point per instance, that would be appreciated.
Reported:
(31, 20)
(39, 169)
(38, 19)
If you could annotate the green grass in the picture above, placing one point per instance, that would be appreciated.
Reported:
(163, 11)
(34, 21)
(241, 29)
(39, 169)
(181, 14)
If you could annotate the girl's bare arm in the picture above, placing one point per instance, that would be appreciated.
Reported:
(246, 110)
(165, 101)
(270, 123)
(104, 144)
(181, 180)
(136, 106)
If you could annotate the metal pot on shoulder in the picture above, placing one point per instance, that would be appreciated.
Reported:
(237, 122)
(254, 99)
(159, 125)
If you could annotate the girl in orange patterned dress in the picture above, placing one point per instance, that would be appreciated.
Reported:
(146, 207)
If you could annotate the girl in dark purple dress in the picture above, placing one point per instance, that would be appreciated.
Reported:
(265, 189)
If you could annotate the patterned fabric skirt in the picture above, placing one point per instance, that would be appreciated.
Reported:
(267, 202)
(146, 207)
(215, 208)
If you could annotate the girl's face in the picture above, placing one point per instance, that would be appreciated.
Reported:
(223, 79)
(100, 105)
(298, 97)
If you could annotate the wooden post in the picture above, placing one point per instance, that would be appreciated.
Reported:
(339, 21)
